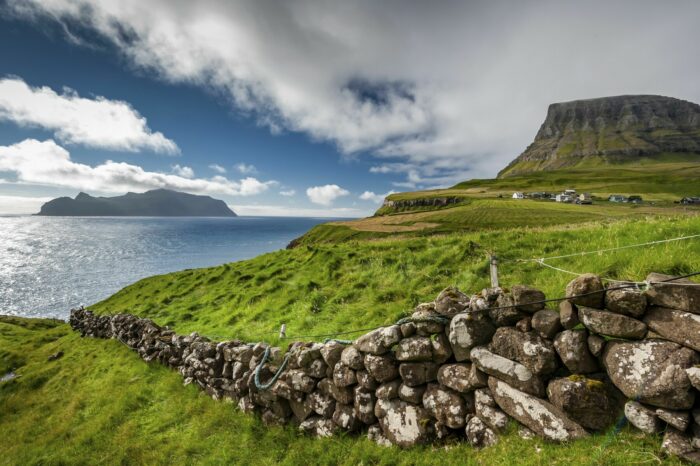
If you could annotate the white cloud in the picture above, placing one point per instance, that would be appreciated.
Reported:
(325, 195)
(376, 198)
(287, 211)
(217, 168)
(246, 169)
(14, 205)
(185, 172)
(457, 90)
(47, 163)
(98, 122)
(288, 193)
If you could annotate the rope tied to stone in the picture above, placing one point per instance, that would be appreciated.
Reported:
(271, 382)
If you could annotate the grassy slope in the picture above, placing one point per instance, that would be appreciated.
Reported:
(101, 404)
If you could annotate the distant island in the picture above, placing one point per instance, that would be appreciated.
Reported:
(154, 203)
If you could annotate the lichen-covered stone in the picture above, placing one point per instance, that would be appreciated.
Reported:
(527, 298)
(694, 376)
(479, 435)
(415, 348)
(382, 367)
(343, 376)
(365, 380)
(468, 330)
(461, 377)
(445, 405)
(676, 442)
(678, 419)
(341, 394)
(596, 345)
(512, 372)
(675, 294)
(652, 371)
(642, 417)
(331, 352)
(344, 417)
(364, 405)
(352, 358)
(388, 390)
(412, 394)
(572, 347)
(318, 427)
(679, 326)
(530, 350)
(568, 315)
(586, 290)
(321, 404)
(451, 301)
(379, 341)
(418, 373)
(611, 324)
(626, 301)
(406, 425)
(488, 411)
(505, 312)
(376, 435)
(539, 415)
(586, 401)
(546, 323)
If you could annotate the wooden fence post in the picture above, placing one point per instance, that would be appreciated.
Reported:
(494, 271)
(283, 331)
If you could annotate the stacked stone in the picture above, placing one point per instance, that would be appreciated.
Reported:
(465, 367)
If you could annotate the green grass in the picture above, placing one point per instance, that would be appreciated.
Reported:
(100, 404)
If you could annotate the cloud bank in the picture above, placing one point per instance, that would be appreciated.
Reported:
(325, 195)
(98, 123)
(46, 163)
(440, 92)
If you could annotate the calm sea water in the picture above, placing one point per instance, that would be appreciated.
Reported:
(50, 264)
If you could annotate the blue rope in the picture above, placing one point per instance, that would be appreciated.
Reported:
(274, 378)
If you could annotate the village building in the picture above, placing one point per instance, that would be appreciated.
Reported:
(617, 198)
(518, 195)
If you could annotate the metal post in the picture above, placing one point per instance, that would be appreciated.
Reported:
(283, 331)
(494, 271)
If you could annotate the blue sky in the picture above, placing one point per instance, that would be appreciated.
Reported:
(300, 109)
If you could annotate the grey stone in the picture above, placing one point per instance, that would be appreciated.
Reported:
(505, 313)
(414, 348)
(379, 341)
(546, 323)
(418, 373)
(365, 380)
(461, 377)
(568, 315)
(406, 425)
(341, 394)
(678, 326)
(611, 324)
(352, 358)
(321, 404)
(407, 330)
(626, 301)
(451, 301)
(468, 330)
(572, 346)
(343, 376)
(488, 411)
(331, 352)
(675, 295)
(586, 290)
(344, 417)
(479, 435)
(694, 376)
(676, 442)
(539, 415)
(364, 405)
(299, 381)
(318, 427)
(512, 372)
(642, 417)
(585, 401)
(412, 394)
(524, 324)
(678, 419)
(375, 434)
(445, 405)
(442, 351)
(527, 298)
(300, 409)
(651, 371)
(382, 367)
(529, 349)
(596, 345)
(388, 390)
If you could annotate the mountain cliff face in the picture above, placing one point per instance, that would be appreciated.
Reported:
(155, 203)
(611, 130)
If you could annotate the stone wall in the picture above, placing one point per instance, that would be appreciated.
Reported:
(465, 366)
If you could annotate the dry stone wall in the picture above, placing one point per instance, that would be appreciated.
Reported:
(465, 366)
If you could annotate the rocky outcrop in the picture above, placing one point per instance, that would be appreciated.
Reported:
(402, 205)
(620, 128)
(456, 369)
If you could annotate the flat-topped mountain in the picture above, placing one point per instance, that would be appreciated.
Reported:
(155, 203)
(612, 130)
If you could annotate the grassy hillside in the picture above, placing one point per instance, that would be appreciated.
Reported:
(101, 404)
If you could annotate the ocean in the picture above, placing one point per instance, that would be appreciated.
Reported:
(49, 265)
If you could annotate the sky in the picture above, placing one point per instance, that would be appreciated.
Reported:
(307, 108)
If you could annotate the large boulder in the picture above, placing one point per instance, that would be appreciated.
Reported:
(679, 326)
(611, 324)
(675, 295)
(527, 298)
(626, 301)
(586, 290)
(546, 323)
(652, 372)
(445, 405)
(514, 373)
(451, 301)
(642, 417)
(572, 346)
(539, 415)
(405, 424)
(379, 341)
(585, 400)
(530, 350)
(468, 330)
(461, 377)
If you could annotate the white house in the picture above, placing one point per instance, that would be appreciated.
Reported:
(518, 196)
(563, 198)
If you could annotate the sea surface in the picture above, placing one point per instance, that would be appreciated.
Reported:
(49, 265)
